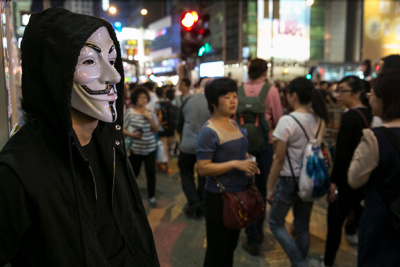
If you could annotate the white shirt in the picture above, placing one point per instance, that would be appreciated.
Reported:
(289, 131)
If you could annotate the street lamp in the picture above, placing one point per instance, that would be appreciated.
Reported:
(112, 10)
(143, 12)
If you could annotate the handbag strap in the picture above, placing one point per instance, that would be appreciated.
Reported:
(219, 184)
(362, 115)
(395, 141)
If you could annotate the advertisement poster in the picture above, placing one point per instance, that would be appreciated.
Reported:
(290, 32)
(381, 28)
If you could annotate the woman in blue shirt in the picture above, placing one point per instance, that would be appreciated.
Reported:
(221, 152)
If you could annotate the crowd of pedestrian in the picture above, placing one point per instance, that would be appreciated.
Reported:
(208, 136)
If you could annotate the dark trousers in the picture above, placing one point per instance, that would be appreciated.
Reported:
(264, 161)
(337, 214)
(186, 163)
(221, 242)
(150, 169)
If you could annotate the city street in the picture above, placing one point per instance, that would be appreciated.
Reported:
(181, 241)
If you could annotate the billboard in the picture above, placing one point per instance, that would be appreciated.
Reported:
(381, 28)
(289, 32)
(212, 69)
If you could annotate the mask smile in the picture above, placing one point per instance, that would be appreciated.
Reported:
(100, 92)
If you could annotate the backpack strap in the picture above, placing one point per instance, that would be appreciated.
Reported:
(264, 92)
(301, 126)
(304, 131)
(241, 91)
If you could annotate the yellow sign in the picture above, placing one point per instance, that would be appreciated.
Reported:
(131, 42)
(381, 28)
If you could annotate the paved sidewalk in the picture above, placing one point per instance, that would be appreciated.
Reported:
(181, 241)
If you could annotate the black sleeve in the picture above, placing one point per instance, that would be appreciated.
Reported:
(344, 151)
(14, 216)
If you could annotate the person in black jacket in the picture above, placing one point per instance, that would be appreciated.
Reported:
(68, 196)
(342, 198)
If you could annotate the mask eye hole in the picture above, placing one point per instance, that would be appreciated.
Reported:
(112, 62)
(88, 62)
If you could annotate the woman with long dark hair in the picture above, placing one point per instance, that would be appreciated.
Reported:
(375, 164)
(311, 112)
(342, 198)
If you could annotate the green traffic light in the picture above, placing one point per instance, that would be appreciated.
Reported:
(204, 49)
(308, 76)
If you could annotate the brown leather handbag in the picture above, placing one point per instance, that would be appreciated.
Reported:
(241, 209)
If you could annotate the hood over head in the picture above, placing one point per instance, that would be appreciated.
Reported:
(50, 48)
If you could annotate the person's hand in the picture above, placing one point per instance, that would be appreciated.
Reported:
(332, 195)
(248, 166)
(137, 135)
(270, 196)
(146, 114)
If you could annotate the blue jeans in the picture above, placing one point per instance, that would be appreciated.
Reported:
(264, 161)
(285, 198)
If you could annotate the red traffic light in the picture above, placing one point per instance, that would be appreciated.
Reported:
(189, 19)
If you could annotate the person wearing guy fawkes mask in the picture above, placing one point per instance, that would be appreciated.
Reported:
(68, 196)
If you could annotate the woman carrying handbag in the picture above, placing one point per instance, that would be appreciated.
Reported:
(221, 157)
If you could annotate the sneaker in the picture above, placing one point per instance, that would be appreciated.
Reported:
(252, 247)
(315, 263)
(352, 239)
(153, 202)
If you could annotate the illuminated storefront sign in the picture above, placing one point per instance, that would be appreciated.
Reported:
(291, 32)
(381, 28)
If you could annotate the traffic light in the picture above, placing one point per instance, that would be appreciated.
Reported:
(194, 29)
(310, 72)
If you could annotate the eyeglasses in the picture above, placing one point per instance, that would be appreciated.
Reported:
(343, 91)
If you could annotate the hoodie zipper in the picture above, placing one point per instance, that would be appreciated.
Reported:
(94, 181)
(112, 192)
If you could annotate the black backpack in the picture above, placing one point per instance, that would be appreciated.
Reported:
(167, 115)
(250, 114)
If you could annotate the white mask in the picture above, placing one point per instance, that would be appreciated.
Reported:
(93, 91)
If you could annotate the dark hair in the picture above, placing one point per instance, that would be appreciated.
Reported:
(357, 85)
(391, 62)
(186, 82)
(160, 91)
(217, 88)
(387, 88)
(257, 67)
(138, 91)
(368, 68)
(307, 93)
(149, 85)
(170, 94)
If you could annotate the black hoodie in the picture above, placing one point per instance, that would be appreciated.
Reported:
(47, 192)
